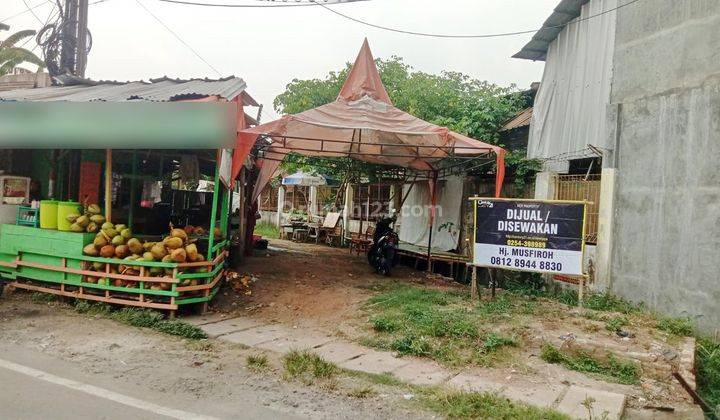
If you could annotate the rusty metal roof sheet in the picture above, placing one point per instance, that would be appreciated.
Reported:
(521, 119)
(563, 14)
(163, 89)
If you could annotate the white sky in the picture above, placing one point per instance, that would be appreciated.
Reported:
(270, 47)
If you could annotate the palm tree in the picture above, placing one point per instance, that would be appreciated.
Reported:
(11, 56)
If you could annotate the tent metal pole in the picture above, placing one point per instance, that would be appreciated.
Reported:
(433, 197)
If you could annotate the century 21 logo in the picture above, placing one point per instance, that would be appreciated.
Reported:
(485, 204)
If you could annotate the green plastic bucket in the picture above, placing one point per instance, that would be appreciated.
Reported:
(48, 214)
(64, 208)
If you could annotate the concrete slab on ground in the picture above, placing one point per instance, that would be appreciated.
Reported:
(206, 318)
(602, 402)
(472, 383)
(422, 373)
(296, 340)
(254, 336)
(375, 362)
(544, 395)
(228, 326)
(338, 351)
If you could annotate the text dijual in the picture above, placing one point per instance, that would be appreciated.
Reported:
(527, 221)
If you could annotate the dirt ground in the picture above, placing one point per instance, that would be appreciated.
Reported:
(203, 376)
(308, 285)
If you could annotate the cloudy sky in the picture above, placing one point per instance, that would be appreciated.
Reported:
(271, 46)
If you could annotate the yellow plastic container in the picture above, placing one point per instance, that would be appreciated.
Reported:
(64, 208)
(48, 214)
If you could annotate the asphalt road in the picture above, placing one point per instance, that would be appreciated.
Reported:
(33, 386)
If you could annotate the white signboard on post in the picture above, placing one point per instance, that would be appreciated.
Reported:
(529, 235)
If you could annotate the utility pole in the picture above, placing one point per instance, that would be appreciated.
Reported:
(82, 39)
(67, 41)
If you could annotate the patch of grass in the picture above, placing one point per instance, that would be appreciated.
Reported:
(92, 308)
(181, 329)
(137, 317)
(307, 366)
(597, 301)
(38, 297)
(364, 392)
(616, 323)
(679, 326)
(624, 372)
(385, 324)
(499, 306)
(708, 372)
(257, 362)
(142, 318)
(267, 230)
(412, 345)
(377, 378)
(457, 405)
(494, 341)
(442, 325)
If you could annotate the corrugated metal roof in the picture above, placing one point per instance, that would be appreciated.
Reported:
(564, 13)
(521, 119)
(164, 89)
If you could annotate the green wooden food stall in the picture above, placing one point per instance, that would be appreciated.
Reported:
(57, 262)
(123, 128)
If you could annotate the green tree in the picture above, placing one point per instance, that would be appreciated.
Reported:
(11, 55)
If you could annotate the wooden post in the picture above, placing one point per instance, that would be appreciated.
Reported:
(133, 188)
(581, 290)
(473, 283)
(108, 185)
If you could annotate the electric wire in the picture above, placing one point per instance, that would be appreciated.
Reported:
(41, 4)
(402, 31)
(495, 35)
(178, 38)
(27, 6)
(254, 6)
(25, 11)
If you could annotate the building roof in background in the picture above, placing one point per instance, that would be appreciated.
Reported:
(565, 12)
(521, 119)
(164, 89)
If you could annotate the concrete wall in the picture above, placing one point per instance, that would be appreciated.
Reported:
(666, 236)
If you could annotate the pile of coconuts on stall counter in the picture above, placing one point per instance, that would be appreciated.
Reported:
(116, 241)
(90, 221)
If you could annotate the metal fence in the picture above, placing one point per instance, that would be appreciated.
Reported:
(582, 187)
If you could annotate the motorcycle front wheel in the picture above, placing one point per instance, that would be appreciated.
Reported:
(383, 267)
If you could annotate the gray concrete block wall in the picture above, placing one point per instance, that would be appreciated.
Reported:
(666, 237)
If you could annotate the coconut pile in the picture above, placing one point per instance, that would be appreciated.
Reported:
(117, 241)
(89, 221)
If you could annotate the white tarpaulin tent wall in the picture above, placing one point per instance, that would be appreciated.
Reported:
(414, 218)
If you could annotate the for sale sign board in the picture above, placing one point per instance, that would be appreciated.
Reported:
(529, 235)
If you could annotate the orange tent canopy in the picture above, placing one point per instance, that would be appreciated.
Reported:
(362, 123)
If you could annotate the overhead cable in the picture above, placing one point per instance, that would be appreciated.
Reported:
(179, 38)
(402, 31)
(495, 35)
(310, 3)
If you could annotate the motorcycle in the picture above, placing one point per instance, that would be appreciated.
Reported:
(382, 255)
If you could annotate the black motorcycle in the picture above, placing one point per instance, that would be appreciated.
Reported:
(382, 255)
